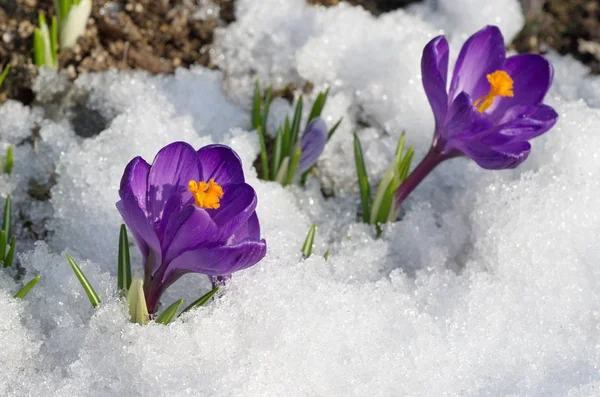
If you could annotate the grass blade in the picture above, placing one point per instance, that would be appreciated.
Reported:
(54, 42)
(4, 73)
(256, 105)
(87, 287)
(39, 57)
(318, 106)
(266, 108)
(3, 242)
(124, 266)
(264, 159)
(276, 160)
(8, 165)
(293, 167)
(169, 313)
(285, 145)
(295, 129)
(308, 243)
(203, 300)
(334, 128)
(25, 290)
(6, 218)
(326, 255)
(11, 253)
(363, 180)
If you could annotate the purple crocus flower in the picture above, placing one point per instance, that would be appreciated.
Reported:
(492, 108)
(190, 211)
(312, 144)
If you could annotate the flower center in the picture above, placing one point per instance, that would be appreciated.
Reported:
(206, 195)
(501, 84)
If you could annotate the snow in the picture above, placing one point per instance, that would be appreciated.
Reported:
(489, 286)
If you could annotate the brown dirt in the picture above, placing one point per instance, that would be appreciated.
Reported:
(569, 27)
(152, 35)
(160, 35)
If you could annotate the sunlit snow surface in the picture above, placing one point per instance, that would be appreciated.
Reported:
(489, 286)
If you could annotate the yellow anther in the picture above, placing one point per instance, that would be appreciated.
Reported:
(206, 195)
(501, 84)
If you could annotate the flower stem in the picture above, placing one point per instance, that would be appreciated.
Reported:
(429, 162)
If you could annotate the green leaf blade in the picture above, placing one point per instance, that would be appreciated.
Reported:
(203, 300)
(87, 287)
(11, 253)
(169, 313)
(8, 164)
(124, 262)
(4, 73)
(7, 217)
(309, 241)
(363, 180)
(25, 290)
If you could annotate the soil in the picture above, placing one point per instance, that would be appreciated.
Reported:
(160, 35)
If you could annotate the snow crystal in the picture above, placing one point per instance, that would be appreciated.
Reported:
(488, 286)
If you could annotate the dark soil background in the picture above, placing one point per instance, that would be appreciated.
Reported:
(160, 35)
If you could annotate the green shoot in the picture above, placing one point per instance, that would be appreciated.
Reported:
(4, 73)
(8, 162)
(124, 262)
(45, 47)
(169, 314)
(136, 301)
(363, 179)
(25, 290)
(309, 242)
(87, 287)
(203, 300)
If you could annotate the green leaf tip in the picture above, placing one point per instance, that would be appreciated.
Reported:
(363, 179)
(25, 290)
(203, 300)
(307, 247)
(87, 287)
(136, 301)
(124, 262)
(4, 73)
(169, 313)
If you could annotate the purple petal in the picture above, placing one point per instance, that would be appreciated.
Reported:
(249, 230)
(218, 261)
(434, 71)
(532, 76)
(186, 230)
(237, 206)
(463, 120)
(510, 155)
(173, 167)
(221, 163)
(135, 181)
(524, 123)
(482, 54)
(139, 225)
(312, 143)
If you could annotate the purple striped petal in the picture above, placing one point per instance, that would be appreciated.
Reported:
(525, 123)
(221, 163)
(218, 261)
(312, 143)
(173, 167)
(510, 155)
(189, 229)
(463, 120)
(532, 76)
(482, 54)
(249, 230)
(237, 205)
(434, 72)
